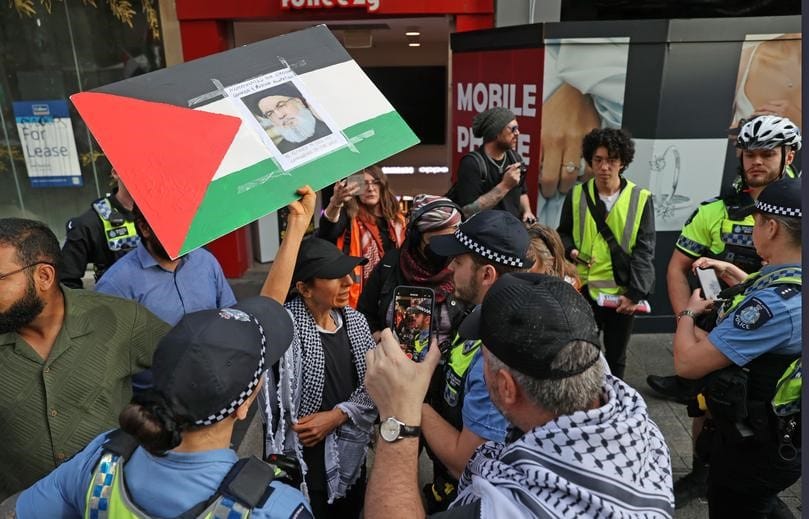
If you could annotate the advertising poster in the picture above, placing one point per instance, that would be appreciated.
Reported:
(583, 88)
(216, 143)
(487, 79)
(46, 137)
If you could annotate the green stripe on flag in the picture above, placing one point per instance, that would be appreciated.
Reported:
(244, 196)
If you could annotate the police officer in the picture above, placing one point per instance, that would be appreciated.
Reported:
(171, 455)
(461, 416)
(721, 228)
(100, 236)
(752, 454)
(607, 227)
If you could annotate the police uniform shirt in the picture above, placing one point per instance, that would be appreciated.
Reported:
(702, 233)
(479, 413)
(767, 321)
(161, 486)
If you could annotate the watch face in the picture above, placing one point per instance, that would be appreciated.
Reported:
(389, 429)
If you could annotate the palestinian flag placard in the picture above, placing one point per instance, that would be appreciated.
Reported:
(208, 146)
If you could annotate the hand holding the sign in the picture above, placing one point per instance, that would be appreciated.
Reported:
(567, 116)
(279, 278)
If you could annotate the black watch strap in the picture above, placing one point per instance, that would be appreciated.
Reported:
(409, 431)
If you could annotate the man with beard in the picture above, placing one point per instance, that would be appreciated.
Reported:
(460, 416)
(722, 228)
(491, 176)
(583, 443)
(291, 118)
(169, 288)
(66, 357)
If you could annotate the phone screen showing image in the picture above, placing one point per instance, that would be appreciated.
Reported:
(413, 320)
(709, 283)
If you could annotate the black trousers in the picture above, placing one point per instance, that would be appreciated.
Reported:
(616, 329)
(744, 479)
(349, 506)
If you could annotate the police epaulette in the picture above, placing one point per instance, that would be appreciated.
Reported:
(710, 200)
(788, 291)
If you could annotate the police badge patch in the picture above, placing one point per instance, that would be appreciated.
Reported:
(752, 315)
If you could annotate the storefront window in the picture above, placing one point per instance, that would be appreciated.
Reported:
(45, 173)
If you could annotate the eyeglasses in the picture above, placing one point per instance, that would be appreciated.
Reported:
(7, 274)
(280, 105)
(514, 129)
(372, 183)
(597, 161)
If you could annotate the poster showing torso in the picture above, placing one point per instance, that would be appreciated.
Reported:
(46, 138)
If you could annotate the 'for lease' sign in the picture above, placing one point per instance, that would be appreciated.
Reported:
(46, 137)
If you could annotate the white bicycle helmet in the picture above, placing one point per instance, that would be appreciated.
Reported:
(768, 132)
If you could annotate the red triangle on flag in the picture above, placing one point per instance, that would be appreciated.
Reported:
(166, 155)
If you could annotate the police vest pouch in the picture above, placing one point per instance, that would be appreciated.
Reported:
(726, 397)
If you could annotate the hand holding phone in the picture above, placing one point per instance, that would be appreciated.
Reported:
(412, 320)
(357, 181)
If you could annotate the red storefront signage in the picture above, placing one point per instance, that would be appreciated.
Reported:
(486, 79)
(370, 5)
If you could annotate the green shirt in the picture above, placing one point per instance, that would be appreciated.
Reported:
(50, 409)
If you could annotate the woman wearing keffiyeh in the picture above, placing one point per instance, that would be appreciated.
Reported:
(416, 265)
(316, 406)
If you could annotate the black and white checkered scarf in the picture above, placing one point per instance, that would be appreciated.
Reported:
(606, 462)
(299, 393)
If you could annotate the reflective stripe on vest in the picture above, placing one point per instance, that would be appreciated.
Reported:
(121, 237)
(782, 276)
(624, 222)
(460, 358)
(787, 399)
(107, 497)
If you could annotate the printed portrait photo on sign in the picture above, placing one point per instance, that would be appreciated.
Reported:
(287, 117)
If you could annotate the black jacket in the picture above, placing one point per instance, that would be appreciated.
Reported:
(377, 295)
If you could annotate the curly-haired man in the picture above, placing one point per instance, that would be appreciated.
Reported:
(607, 226)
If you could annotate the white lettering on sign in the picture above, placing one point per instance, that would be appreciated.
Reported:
(370, 5)
(468, 142)
(479, 97)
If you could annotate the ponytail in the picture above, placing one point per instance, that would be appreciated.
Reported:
(151, 422)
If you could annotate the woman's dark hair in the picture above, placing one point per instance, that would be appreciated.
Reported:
(618, 143)
(388, 203)
(152, 424)
(791, 226)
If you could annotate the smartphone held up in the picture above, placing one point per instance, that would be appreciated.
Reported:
(413, 320)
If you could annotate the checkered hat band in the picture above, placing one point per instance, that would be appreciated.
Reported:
(486, 252)
(244, 395)
(792, 212)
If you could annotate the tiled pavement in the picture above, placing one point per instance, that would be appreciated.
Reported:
(650, 353)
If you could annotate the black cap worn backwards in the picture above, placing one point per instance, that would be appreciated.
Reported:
(495, 235)
(319, 258)
(212, 361)
(526, 319)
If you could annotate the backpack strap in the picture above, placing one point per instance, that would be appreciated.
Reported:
(247, 483)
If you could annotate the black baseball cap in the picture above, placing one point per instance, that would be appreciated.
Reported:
(495, 235)
(319, 258)
(780, 198)
(211, 361)
(526, 319)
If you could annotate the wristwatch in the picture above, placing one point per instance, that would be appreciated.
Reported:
(392, 429)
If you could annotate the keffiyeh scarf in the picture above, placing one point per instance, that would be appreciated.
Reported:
(605, 462)
(299, 393)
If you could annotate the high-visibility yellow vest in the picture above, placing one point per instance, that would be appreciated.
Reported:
(624, 222)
